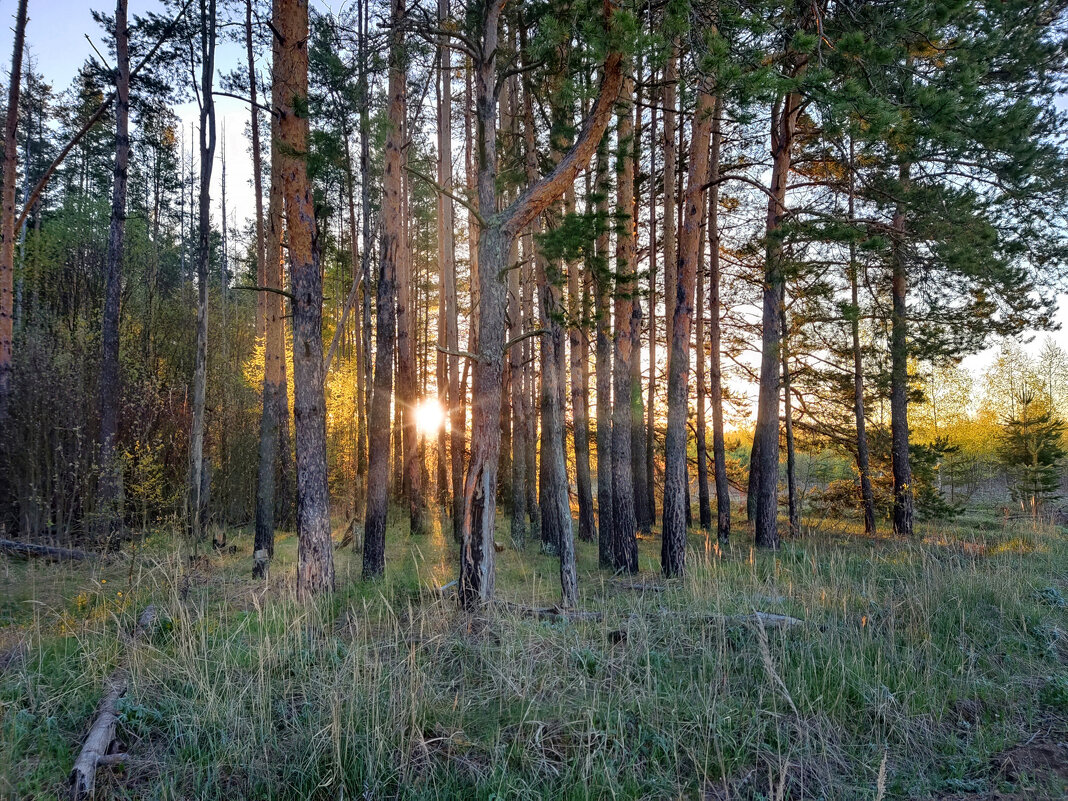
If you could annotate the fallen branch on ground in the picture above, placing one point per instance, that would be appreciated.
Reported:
(550, 612)
(96, 750)
(43, 551)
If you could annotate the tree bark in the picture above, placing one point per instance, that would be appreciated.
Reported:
(863, 467)
(275, 411)
(788, 425)
(257, 177)
(578, 302)
(676, 485)
(386, 308)
(704, 506)
(764, 465)
(315, 562)
(407, 337)
(899, 408)
(447, 258)
(602, 282)
(110, 487)
(198, 499)
(624, 535)
(719, 453)
(476, 582)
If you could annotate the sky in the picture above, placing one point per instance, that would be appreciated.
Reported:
(56, 37)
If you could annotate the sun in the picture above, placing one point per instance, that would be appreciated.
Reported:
(429, 416)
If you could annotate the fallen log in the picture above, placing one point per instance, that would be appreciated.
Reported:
(97, 747)
(43, 551)
(551, 612)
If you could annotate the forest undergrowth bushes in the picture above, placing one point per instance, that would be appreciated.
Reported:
(915, 664)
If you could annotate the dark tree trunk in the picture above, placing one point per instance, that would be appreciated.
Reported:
(788, 425)
(7, 230)
(764, 465)
(866, 494)
(704, 505)
(624, 539)
(676, 484)
(899, 408)
(518, 401)
(315, 558)
(257, 176)
(578, 298)
(275, 396)
(374, 547)
(602, 291)
(198, 500)
(110, 487)
(719, 451)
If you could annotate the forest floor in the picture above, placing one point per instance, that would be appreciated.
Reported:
(929, 669)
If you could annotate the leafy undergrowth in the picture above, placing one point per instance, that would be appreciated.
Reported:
(921, 670)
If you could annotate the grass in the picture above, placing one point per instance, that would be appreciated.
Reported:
(919, 662)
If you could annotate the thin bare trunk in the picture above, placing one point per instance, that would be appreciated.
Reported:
(866, 494)
(899, 404)
(374, 556)
(110, 487)
(602, 282)
(257, 176)
(719, 451)
(197, 494)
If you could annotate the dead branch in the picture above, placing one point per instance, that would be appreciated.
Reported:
(43, 551)
(97, 749)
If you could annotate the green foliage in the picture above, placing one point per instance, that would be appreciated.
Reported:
(1031, 448)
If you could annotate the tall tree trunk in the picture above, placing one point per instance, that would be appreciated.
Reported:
(899, 377)
(407, 338)
(602, 283)
(624, 535)
(198, 499)
(676, 485)
(374, 555)
(498, 231)
(719, 451)
(788, 425)
(110, 487)
(275, 395)
(518, 402)
(764, 465)
(362, 465)
(7, 230)
(315, 559)
(866, 494)
(671, 166)
(650, 408)
(257, 177)
(578, 302)
(554, 501)
(704, 506)
(447, 260)
(642, 514)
